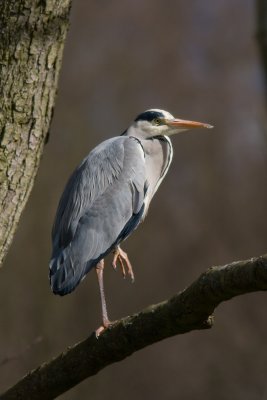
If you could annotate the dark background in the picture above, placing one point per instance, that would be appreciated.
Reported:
(199, 60)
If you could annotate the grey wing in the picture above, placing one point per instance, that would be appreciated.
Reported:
(100, 206)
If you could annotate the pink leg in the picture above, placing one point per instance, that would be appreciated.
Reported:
(106, 322)
(124, 261)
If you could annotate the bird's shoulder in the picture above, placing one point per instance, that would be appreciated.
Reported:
(119, 158)
(106, 161)
(115, 149)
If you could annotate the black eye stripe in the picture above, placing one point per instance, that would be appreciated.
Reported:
(149, 116)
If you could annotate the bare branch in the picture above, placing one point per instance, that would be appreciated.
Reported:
(189, 310)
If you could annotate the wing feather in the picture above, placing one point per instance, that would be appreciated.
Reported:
(101, 205)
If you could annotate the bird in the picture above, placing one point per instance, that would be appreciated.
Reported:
(107, 197)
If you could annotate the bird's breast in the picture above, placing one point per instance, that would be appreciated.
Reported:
(158, 157)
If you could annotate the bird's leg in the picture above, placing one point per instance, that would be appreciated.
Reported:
(106, 322)
(120, 255)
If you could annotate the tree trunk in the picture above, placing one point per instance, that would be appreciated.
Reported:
(32, 36)
(261, 35)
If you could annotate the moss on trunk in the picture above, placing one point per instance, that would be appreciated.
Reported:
(32, 37)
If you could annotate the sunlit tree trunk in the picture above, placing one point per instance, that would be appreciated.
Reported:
(32, 36)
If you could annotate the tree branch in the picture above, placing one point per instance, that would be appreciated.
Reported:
(189, 310)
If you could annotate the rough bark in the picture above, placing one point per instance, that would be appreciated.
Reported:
(186, 311)
(261, 34)
(32, 36)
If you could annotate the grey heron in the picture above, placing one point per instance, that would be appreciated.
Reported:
(106, 198)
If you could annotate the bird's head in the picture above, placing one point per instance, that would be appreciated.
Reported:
(155, 122)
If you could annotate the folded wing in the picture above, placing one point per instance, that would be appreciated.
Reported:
(102, 204)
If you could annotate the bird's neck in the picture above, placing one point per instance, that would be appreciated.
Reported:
(158, 157)
(136, 132)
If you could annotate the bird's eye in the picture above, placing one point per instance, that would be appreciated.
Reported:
(157, 121)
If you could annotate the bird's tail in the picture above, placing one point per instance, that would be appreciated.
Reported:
(65, 273)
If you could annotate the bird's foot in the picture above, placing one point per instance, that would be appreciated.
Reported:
(102, 328)
(124, 261)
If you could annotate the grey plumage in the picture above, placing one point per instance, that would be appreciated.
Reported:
(101, 204)
(106, 198)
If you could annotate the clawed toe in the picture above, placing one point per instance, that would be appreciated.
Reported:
(121, 256)
(102, 328)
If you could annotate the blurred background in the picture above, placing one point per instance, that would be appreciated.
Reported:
(199, 60)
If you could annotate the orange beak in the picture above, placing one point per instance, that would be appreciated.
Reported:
(184, 124)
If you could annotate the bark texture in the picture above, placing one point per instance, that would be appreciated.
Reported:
(32, 36)
(186, 311)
